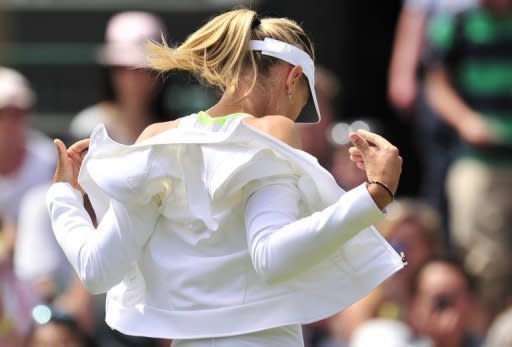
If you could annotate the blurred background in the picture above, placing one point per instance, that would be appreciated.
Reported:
(432, 76)
(55, 43)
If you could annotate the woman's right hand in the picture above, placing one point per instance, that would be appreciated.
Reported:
(69, 161)
(379, 158)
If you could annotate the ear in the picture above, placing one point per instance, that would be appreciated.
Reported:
(293, 77)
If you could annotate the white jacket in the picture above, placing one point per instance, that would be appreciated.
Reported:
(183, 257)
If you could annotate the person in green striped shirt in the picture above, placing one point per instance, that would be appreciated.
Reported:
(470, 84)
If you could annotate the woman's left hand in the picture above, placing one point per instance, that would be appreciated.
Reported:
(69, 161)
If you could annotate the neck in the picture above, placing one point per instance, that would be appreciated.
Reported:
(255, 103)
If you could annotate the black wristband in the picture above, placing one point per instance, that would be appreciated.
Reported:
(383, 186)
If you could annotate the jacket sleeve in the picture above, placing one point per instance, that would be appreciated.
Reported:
(282, 244)
(101, 256)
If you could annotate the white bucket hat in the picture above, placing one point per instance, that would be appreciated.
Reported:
(15, 90)
(125, 37)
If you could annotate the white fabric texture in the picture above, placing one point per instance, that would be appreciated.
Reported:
(103, 256)
(286, 336)
(173, 245)
(282, 244)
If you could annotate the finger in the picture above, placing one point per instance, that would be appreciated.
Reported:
(376, 139)
(360, 165)
(62, 153)
(354, 151)
(79, 146)
(75, 158)
(356, 158)
(359, 142)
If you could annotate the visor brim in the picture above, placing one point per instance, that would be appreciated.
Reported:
(296, 57)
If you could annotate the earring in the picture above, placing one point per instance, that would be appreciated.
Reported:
(290, 96)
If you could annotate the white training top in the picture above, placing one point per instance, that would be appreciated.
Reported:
(217, 229)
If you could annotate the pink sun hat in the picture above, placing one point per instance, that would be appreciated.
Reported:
(125, 37)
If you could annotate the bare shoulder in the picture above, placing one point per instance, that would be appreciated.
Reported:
(280, 127)
(157, 128)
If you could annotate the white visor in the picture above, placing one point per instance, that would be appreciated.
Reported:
(297, 57)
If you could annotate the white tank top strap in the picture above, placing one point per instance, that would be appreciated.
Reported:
(188, 122)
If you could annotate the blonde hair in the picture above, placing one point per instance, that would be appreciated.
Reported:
(218, 52)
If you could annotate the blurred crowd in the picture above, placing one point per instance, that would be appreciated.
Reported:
(450, 75)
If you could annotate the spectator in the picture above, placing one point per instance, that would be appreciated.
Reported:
(411, 227)
(434, 138)
(134, 100)
(469, 84)
(441, 306)
(47, 270)
(439, 311)
(16, 299)
(138, 101)
(26, 156)
(133, 93)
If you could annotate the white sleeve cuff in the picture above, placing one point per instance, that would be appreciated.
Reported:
(63, 190)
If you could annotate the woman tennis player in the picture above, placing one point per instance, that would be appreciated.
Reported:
(216, 229)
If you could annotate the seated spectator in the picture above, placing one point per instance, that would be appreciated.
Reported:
(47, 270)
(133, 96)
(440, 311)
(16, 299)
(442, 303)
(27, 158)
(411, 227)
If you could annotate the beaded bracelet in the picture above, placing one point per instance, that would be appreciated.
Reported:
(383, 186)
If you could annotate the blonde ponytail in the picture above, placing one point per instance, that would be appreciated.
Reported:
(218, 52)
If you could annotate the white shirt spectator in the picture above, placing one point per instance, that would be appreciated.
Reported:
(35, 232)
(37, 168)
